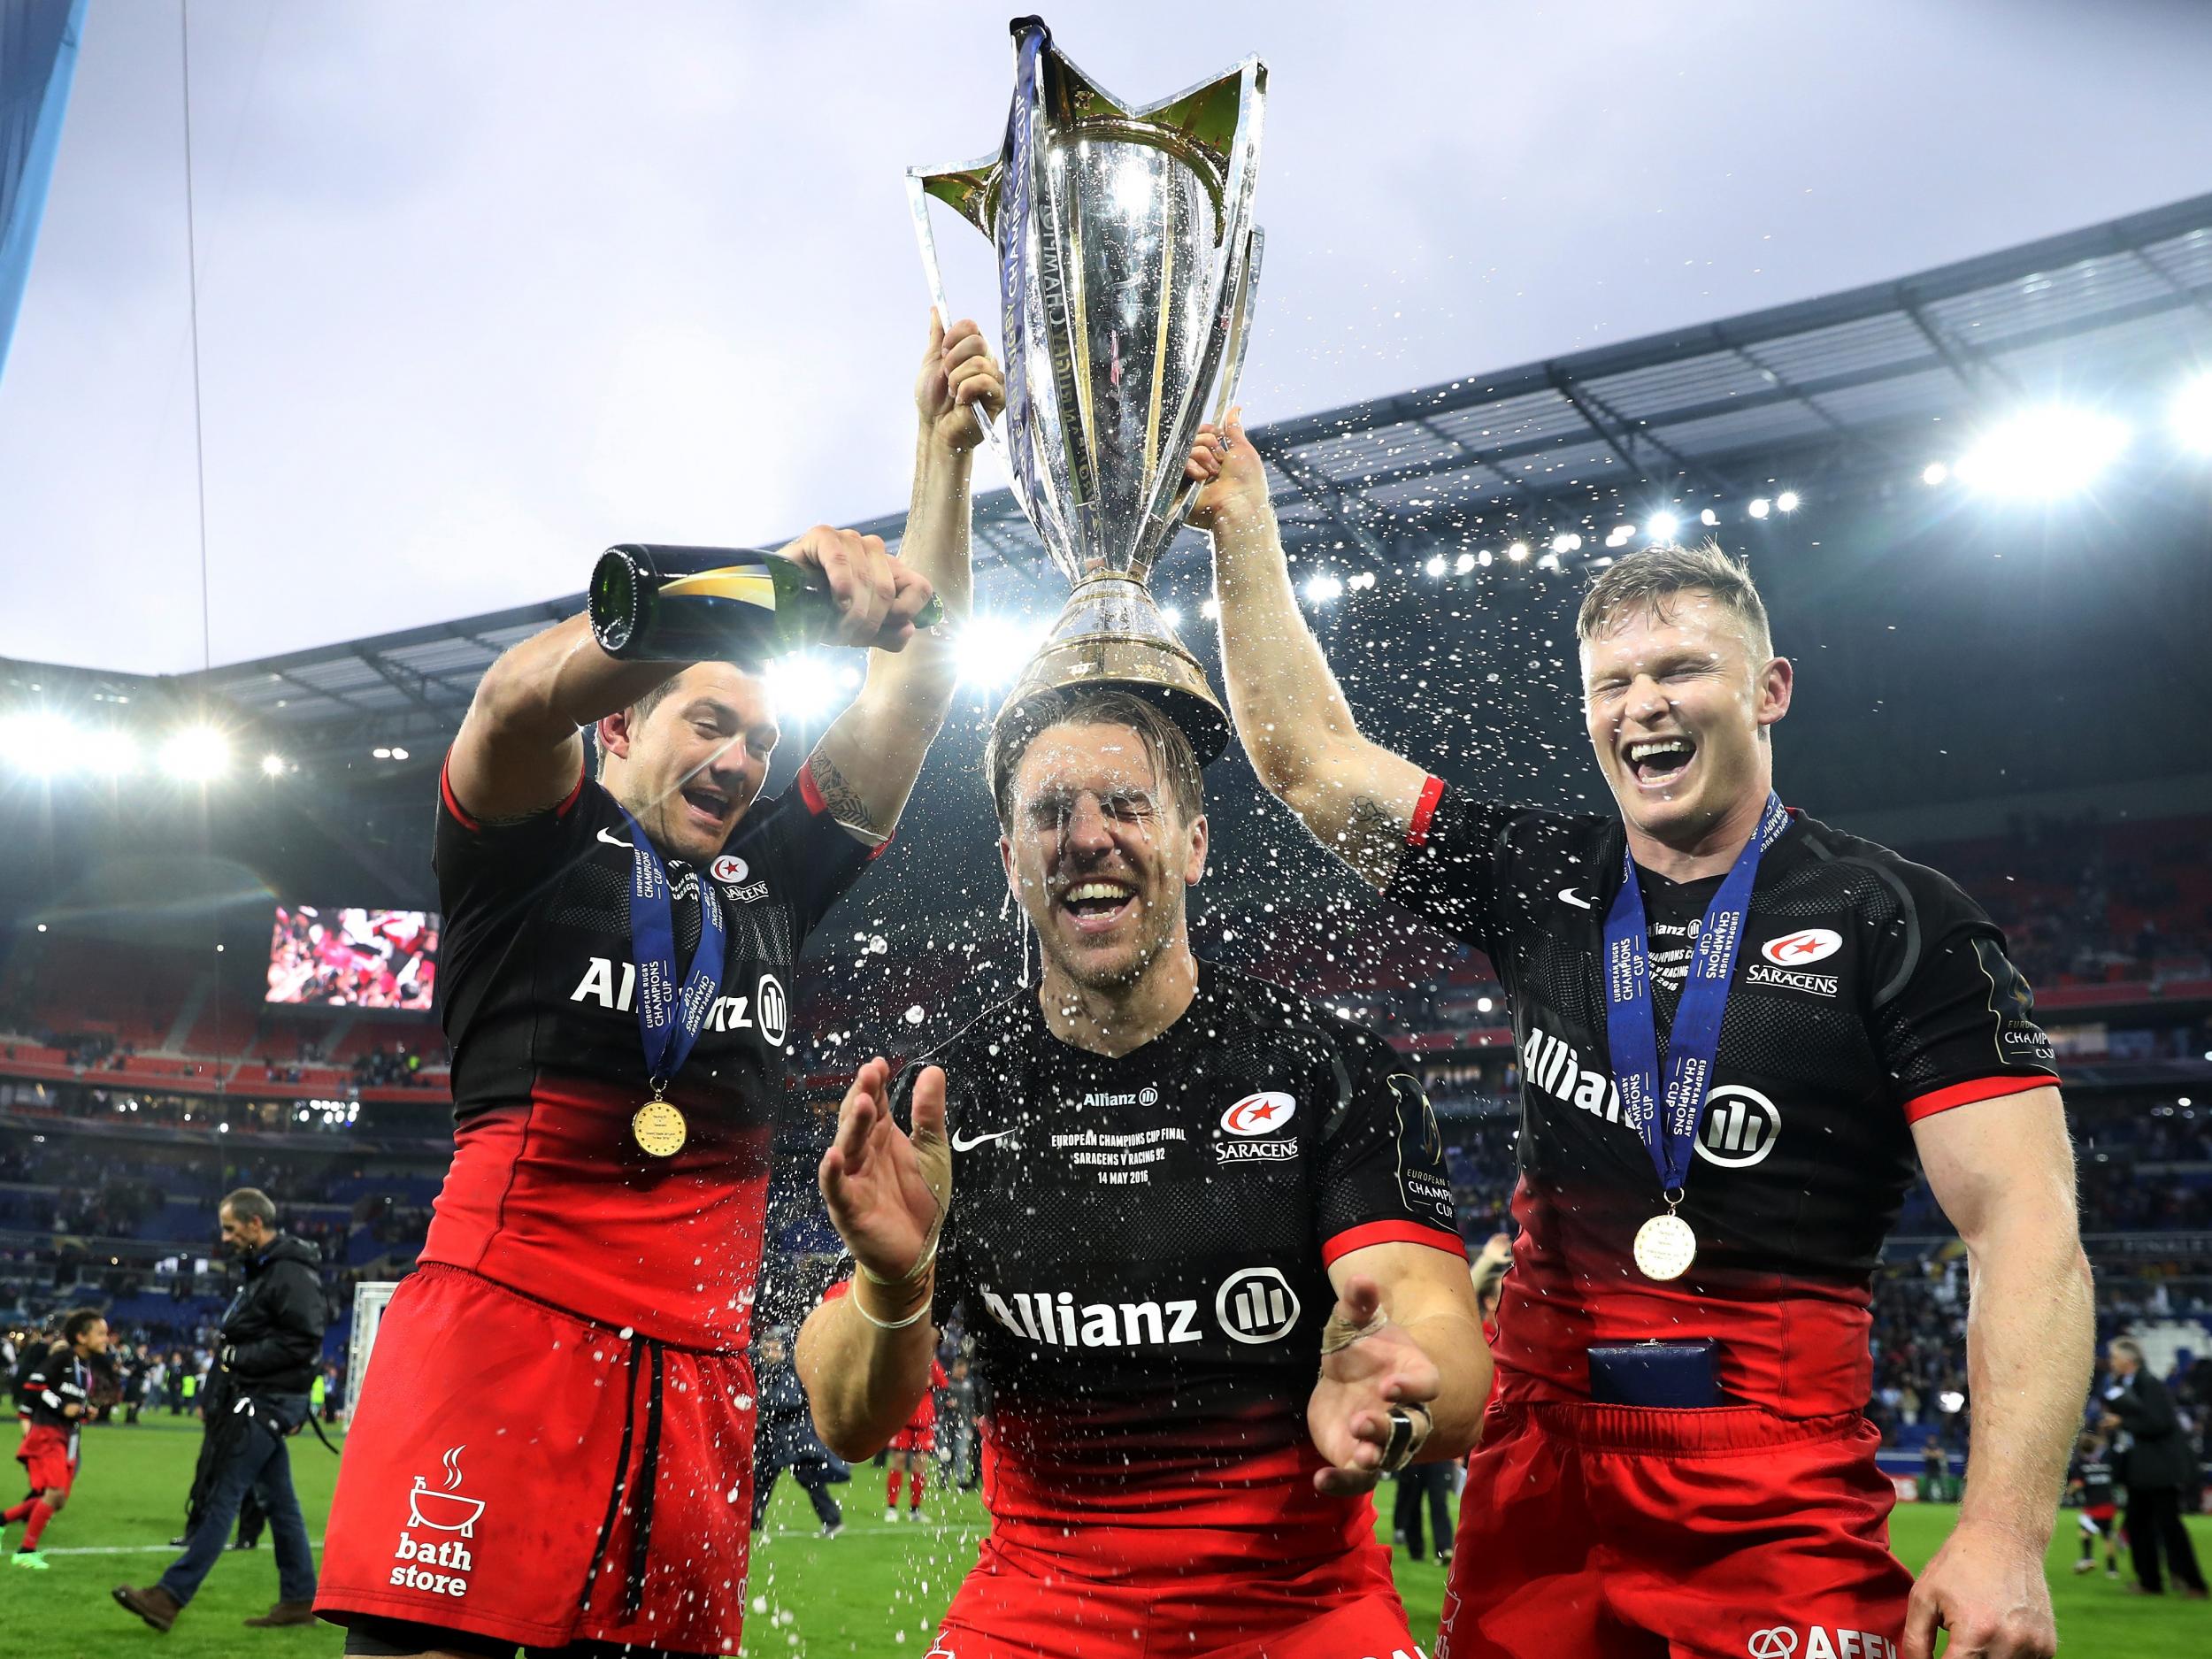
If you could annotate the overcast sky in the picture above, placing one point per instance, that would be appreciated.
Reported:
(485, 287)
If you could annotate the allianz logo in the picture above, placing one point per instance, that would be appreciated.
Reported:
(1741, 1124)
(1254, 1305)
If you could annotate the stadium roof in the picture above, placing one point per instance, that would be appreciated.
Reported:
(1840, 392)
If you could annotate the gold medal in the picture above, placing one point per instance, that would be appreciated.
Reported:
(659, 1129)
(1665, 1246)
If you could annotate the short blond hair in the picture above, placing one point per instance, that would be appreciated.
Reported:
(1648, 577)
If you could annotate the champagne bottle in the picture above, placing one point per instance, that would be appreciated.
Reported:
(691, 605)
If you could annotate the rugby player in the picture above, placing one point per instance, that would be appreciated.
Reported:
(1716, 1494)
(554, 1441)
(57, 1393)
(1173, 1190)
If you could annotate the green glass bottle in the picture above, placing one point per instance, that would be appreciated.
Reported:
(691, 605)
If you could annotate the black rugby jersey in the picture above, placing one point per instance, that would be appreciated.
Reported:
(2094, 1475)
(54, 1384)
(1139, 1245)
(1869, 992)
(549, 1192)
(537, 976)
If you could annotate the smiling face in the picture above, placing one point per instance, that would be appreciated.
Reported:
(689, 765)
(1678, 700)
(1098, 854)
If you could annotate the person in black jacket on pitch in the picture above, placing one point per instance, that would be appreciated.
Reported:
(2160, 1465)
(272, 1336)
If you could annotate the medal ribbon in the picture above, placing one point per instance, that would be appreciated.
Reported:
(1669, 1122)
(669, 1022)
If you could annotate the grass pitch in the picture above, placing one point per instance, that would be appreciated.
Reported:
(875, 1591)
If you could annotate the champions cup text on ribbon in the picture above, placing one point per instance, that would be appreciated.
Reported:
(1669, 1122)
(669, 1023)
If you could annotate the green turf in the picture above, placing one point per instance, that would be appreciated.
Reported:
(877, 1590)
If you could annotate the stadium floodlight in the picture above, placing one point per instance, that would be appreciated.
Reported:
(1661, 526)
(1708, 517)
(381, 753)
(1934, 474)
(1787, 502)
(197, 754)
(1483, 1005)
(1322, 586)
(40, 743)
(1517, 551)
(1484, 558)
(2193, 414)
(801, 684)
(1435, 565)
(994, 649)
(1760, 507)
(1209, 608)
(2042, 454)
(1467, 563)
(1172, 615)
(1620, 536)
(399, 754)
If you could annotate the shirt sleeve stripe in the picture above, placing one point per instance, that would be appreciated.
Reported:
(1424, 810)
(460, 813)
(1392, 1232)
(1966, 1094)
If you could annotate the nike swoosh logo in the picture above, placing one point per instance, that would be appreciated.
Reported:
(967, 1143)
(615, 840)
(1569, 895)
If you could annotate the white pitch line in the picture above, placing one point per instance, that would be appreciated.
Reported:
(142, 1549)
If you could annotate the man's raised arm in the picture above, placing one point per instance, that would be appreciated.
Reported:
(866, 762)
(520, 749)
(1356, 796)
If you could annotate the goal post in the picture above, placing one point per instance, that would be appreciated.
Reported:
(369, 1299)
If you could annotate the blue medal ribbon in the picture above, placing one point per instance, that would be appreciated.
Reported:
(668, 1021)
(1669, 1122)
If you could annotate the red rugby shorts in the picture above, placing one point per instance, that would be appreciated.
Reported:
(1635, 1532)
(44, 1455)
(913, 1440)
(1118, 1592)
(522, 1473)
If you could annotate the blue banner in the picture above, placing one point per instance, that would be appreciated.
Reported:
(38, 56)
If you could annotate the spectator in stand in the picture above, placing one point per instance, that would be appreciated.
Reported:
(2160, 1462)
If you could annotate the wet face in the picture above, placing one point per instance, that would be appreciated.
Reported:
(1097, 853)
(691, 768)
(1677, 708)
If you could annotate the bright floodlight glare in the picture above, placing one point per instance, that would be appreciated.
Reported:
(1661, 526)
(1708, 517)
(39, 744)
(1209, 609)
(399, 754)
(198, 753)
(109, 752)
(1934, 474)
(1564, 543)
(272, 766)
(1787, 502)
(1435, 565)
(382, 754)
(2041, 454)
(1465, 563)
(1517, 551)
(1322, 586)
(1172, 615)
(801, 684)
(1620, 536)
(994, 649)
(2193, 414)
(1760, 508)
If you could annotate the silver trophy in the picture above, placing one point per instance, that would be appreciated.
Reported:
(1126, 262)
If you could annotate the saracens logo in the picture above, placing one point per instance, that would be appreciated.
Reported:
(1259, 1114)
(1807, 945)
(729, 868)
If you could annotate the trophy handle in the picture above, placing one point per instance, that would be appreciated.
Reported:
(917, 202)
(1232, 369)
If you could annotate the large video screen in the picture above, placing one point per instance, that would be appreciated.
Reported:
(353, 958)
